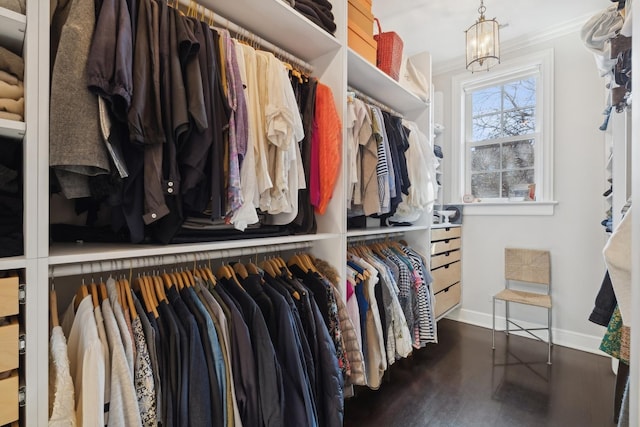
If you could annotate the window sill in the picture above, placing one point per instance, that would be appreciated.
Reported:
(509, 208)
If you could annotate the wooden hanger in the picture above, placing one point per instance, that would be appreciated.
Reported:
(224, 271)
(297, 260)
(209, 275)
(192, 280)
(102, 287)
(53, 308)
(177, 280)
(93, 290)
(240, 270)
(159, 288)
(252, 268)
(81, 293)
(146, 298)
(127, 291)
(268, 267)
(166, 279)
(306, 259)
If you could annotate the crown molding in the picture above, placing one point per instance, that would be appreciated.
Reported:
(528, 40)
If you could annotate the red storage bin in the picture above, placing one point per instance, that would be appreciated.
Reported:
(389, 54)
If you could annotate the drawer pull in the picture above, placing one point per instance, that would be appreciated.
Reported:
(22, 344)
(447, 290)
(446, 266)
(22, 294)
(22, 396)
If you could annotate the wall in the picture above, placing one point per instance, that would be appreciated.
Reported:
(573, 233)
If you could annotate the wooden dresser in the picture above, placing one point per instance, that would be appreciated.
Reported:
(446, 266)
(9, 350)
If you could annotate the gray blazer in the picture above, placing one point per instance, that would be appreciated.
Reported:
(76, 147)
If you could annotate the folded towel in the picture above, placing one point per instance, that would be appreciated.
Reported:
(10, 91)
(11, 63)
(10, 116)
(12, 106)
(9, 78)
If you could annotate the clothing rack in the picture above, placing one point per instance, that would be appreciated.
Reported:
(372, 101)
(244, 34)
(93, 267)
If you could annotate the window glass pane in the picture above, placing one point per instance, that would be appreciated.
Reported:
(485, 184)
(519, 122)
(487, 127)
(485, 158)
(518, 155)
(520, 94)
(488, 100)
(511, 178)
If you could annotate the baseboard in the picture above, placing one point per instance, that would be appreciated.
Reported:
(575, 340)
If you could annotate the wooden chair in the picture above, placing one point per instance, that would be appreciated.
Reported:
(532, 268)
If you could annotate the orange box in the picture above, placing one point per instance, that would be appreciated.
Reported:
(361, 17)
(362, 43)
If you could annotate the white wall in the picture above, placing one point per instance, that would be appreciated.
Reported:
(573, 233)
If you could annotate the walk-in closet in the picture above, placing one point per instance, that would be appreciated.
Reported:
(297, 213)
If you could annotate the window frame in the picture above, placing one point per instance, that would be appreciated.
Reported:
(538, 63)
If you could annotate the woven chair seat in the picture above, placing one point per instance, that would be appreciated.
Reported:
(522, 297)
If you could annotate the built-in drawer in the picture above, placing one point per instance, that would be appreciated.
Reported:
(9, 357)
(440, 246)
(445, 276)
(445, 233)
(9, 404)
(445, 258)
(9, 305)
(447, 298)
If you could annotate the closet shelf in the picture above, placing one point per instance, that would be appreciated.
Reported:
(70, 253)
(12, 129)
(371, 81)
(279, 23)
(382, 231)
(14, 262)
(12, 28)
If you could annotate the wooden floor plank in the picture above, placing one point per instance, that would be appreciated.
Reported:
(461, 382)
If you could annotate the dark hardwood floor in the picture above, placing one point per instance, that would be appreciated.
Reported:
(461, 382)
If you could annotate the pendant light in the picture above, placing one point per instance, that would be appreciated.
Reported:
(483, 43)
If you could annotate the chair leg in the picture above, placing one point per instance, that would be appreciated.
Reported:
(493, 329)
(506, 317)
(550, 338)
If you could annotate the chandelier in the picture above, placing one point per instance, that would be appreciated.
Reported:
(483, 43)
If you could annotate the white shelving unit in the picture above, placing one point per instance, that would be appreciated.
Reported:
(13, 27)
(371, 81)
(273, 20)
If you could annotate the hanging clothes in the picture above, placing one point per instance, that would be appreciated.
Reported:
(209, 139)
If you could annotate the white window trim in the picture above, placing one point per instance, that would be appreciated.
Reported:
(545, 203)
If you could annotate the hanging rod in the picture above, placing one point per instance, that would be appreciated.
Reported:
(359, 239)
(375, 102)
(236, 29)
(105, 266)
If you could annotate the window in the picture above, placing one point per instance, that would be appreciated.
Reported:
(501, 139)
(505, 133)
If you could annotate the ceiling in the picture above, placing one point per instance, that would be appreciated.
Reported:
(438, 26)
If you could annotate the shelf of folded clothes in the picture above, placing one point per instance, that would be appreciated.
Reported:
(11, 82)
(13, 23)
